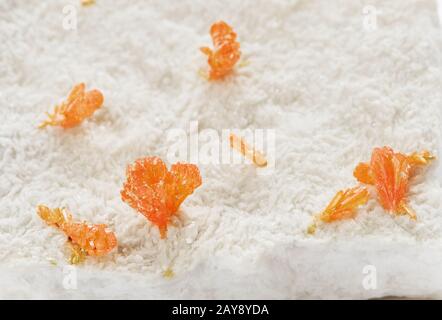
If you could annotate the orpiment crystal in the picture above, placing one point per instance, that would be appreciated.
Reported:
(79, 106)
(156, 192)
(247, 151)
(343, 206)
(226, 50)
(92, 240)
(389, 172)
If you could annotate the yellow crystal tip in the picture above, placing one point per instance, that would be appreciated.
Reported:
(86, 3)
(78, 255)
(311, 228)
(168, 273)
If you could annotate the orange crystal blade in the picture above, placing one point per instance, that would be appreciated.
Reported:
(250, 153)
(344, 204)
(186, 178)
(391, 173)
(77, 92)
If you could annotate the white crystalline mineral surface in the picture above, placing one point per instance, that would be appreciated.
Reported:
(332, 79)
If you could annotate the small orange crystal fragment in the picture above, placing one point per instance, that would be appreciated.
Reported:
(226, 50)
(156, 192)
(92, 240)
(390, 173)
(87, 2)
(342, 206)
(250, 153)
(79, 106)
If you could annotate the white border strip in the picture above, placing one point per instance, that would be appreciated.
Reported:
(439, 11)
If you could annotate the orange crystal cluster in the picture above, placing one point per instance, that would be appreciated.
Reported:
(389, 173)
(92, 240)
(226, 50)
(79, 106)
(156, 192)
